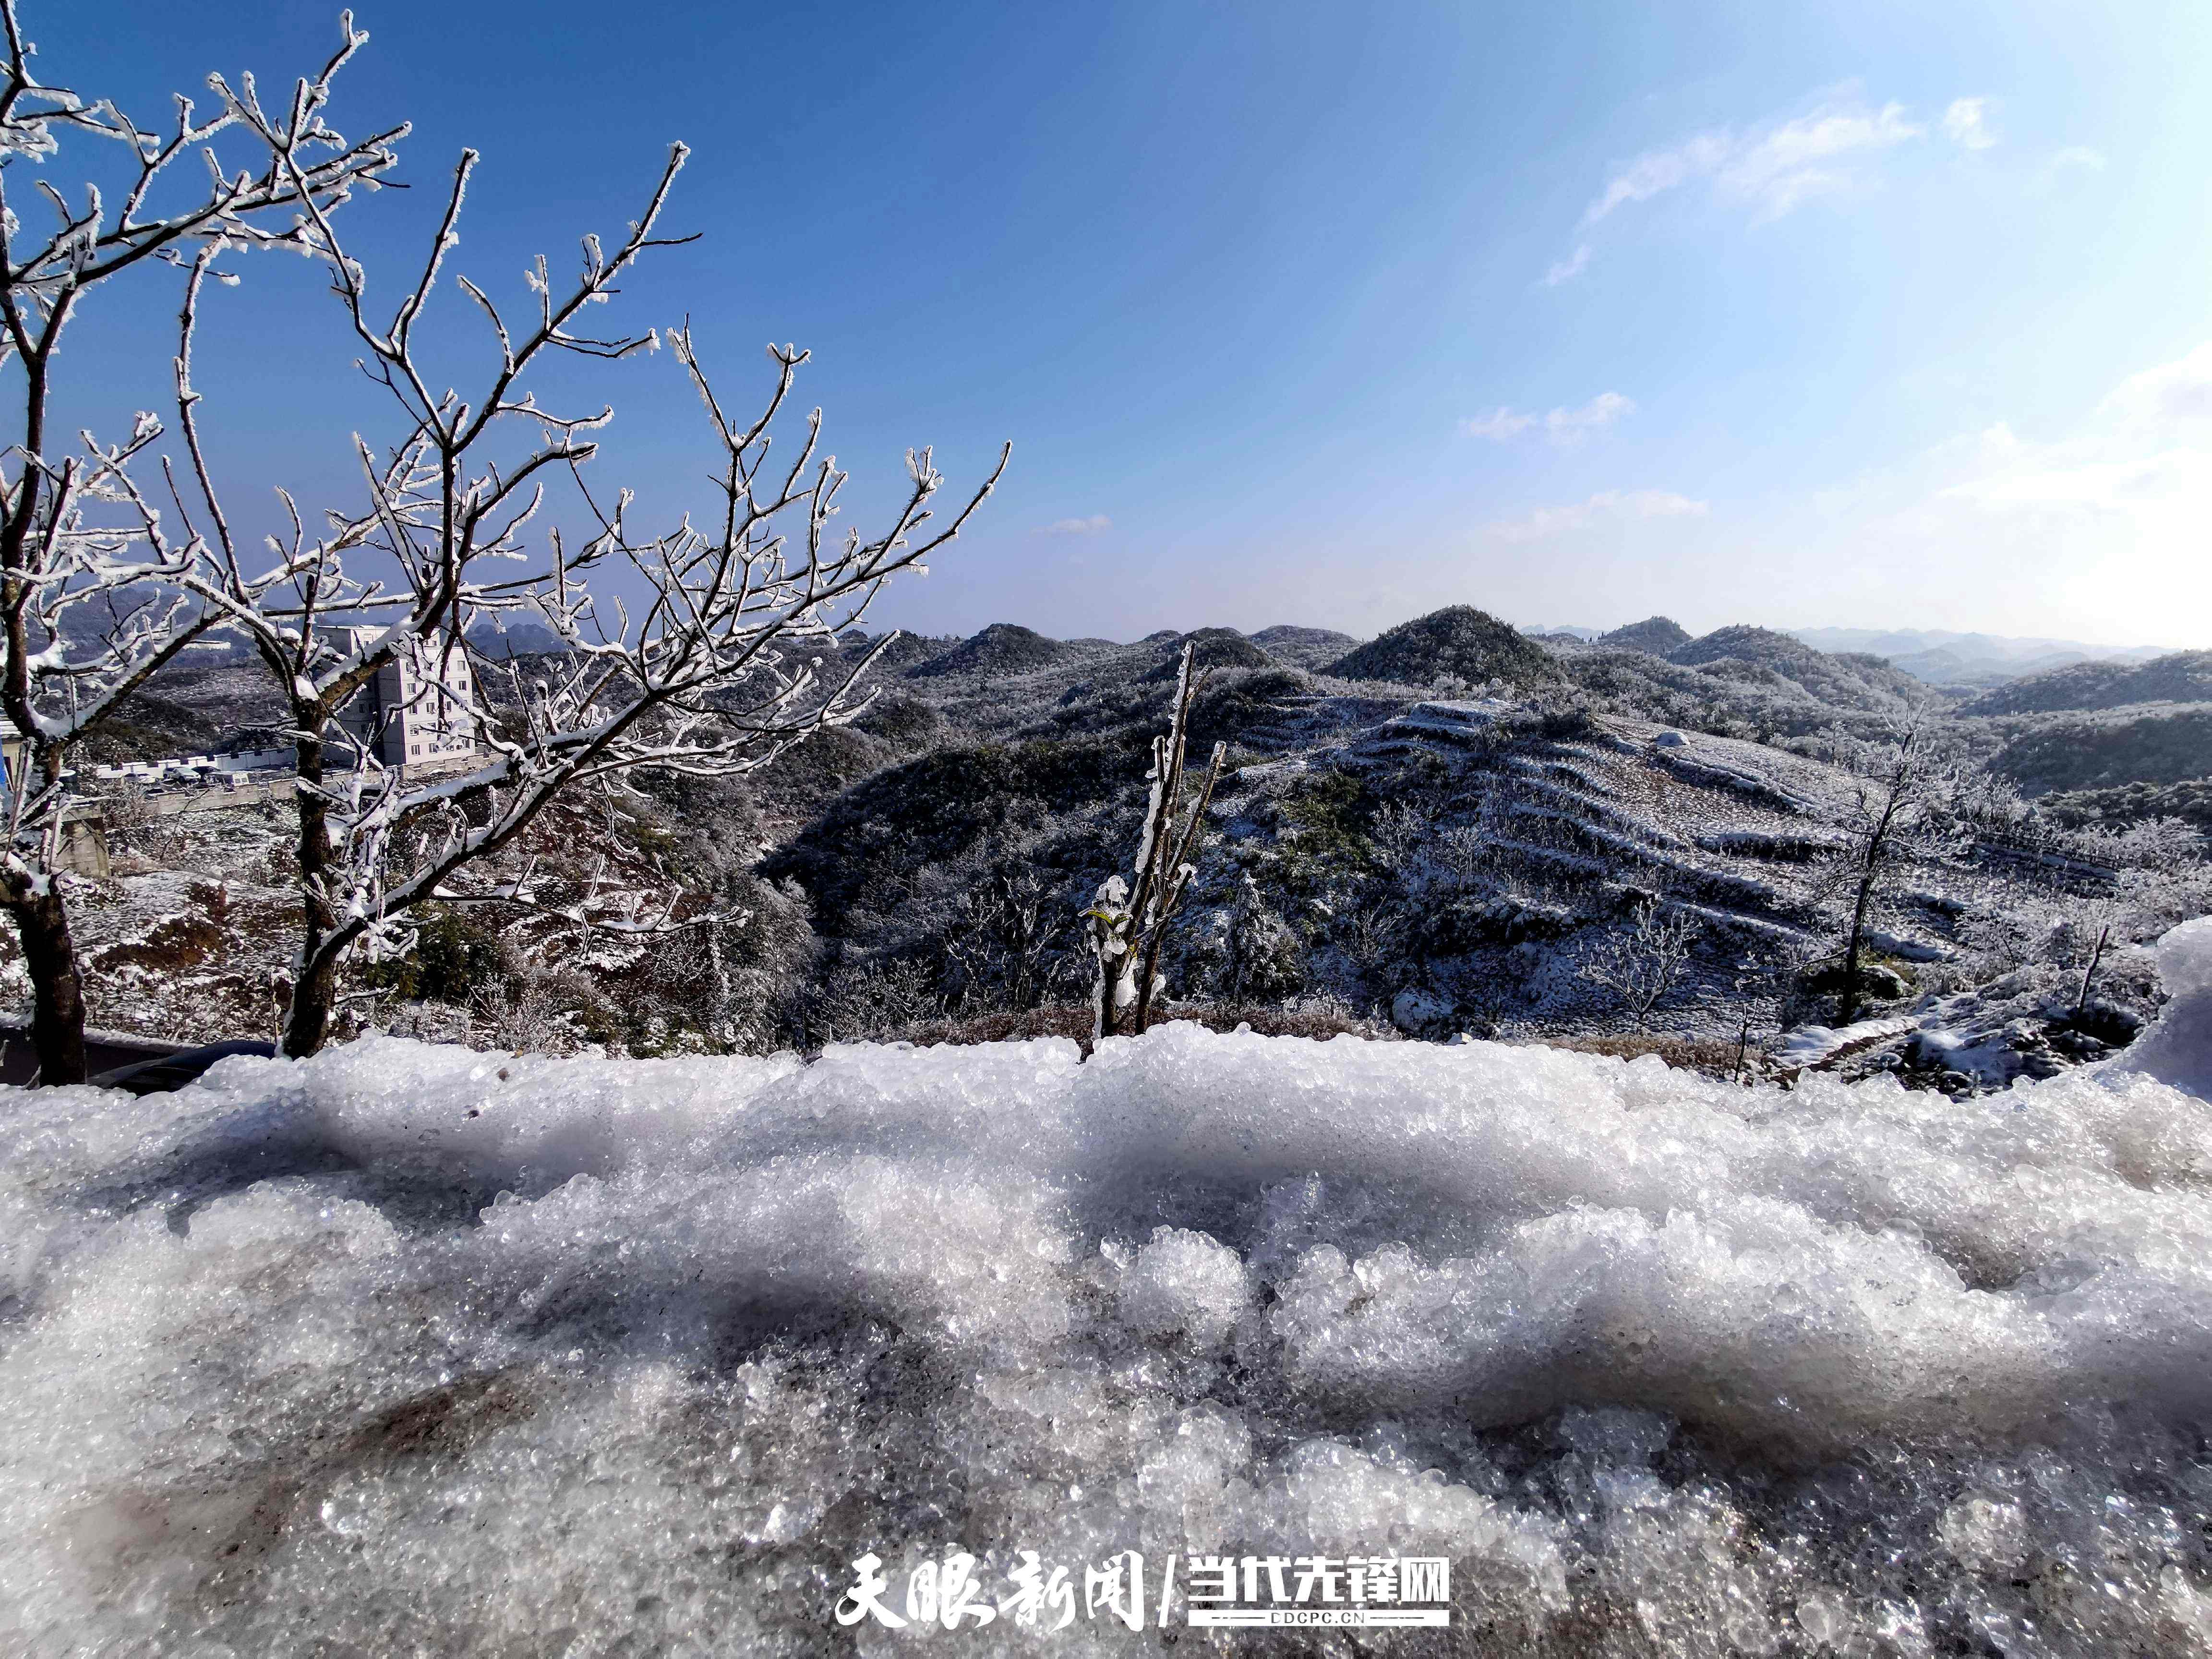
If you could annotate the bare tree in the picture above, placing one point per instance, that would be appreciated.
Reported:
(1641, 965)
(90, 604)
(687, 665)
(871, 1002)
(1898, 806)
(1004, 933)
(1129, 922)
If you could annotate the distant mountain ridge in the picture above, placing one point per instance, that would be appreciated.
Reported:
(1933, 655)
(2179, 677)
(2097, 726)
(1942, 658)
(1904, 642)
(1458, 642)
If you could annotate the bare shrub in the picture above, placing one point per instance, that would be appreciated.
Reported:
(1641, 964)
(873, 1002)
(1462, 850)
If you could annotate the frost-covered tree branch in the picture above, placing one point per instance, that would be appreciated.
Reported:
(1129, 918)
(694, 650)
(93, 599)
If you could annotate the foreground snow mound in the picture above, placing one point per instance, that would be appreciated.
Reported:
(407, 1349)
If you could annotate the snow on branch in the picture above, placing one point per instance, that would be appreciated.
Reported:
(715, 673)
(1128, 920)
(695, 649)
(95, 589)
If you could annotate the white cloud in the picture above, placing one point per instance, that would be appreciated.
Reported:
(1607, 504)
(1566, 269)
(2079, 156)
(2145, 457)
(1562, 426)
(2096, 532)
(1500, 423)
(1775, 170)
(2171, 397)
(1965, 124)
(1808, 156)
(1660, 170)
(1772, 166)
(1090, 526)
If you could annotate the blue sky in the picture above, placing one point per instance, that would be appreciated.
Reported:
(1869, 314)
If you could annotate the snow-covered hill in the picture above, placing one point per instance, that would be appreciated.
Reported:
(930, 865)
(417, 1349)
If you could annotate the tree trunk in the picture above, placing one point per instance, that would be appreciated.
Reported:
(1900, 782)
(2104, 937)
(1102, 999)
(58, 1008)
(1151, 970)
(1851, 999)
(314, 999)
(314, 980)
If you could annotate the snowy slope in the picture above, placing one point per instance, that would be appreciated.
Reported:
(454, 1353)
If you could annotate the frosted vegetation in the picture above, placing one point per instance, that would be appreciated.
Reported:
(410, 1348)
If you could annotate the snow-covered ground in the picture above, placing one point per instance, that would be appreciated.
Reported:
(412, 1349)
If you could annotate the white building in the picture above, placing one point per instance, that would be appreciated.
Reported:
(421, 707)
(11, 751)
